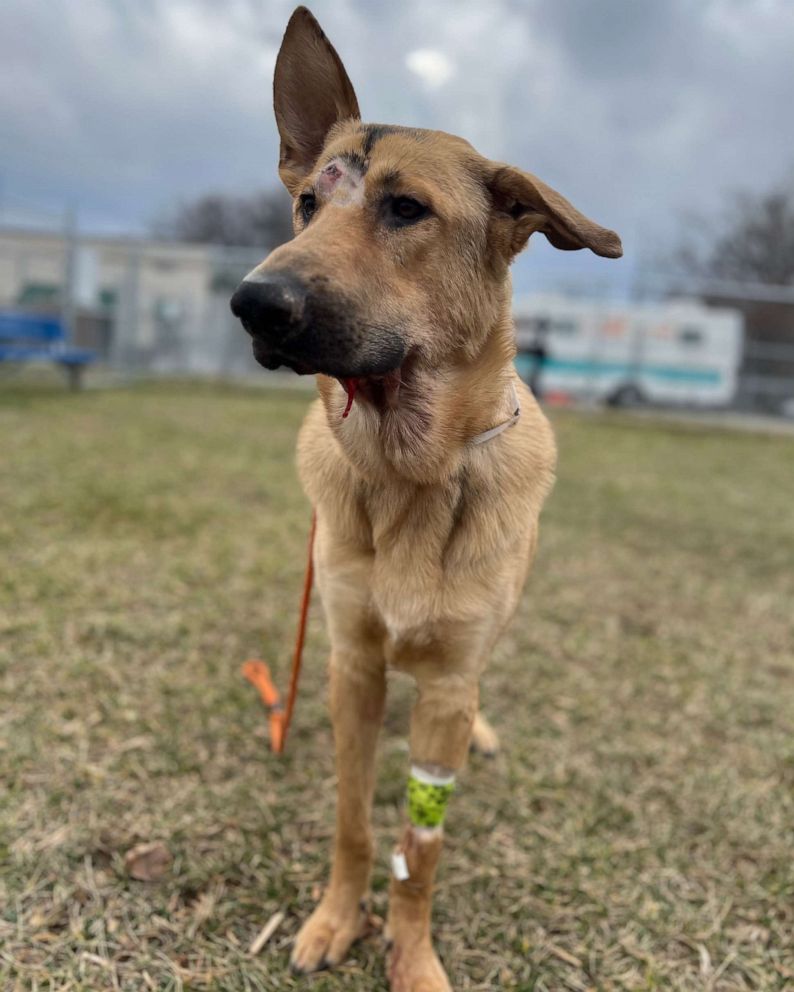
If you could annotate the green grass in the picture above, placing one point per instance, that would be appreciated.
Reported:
(635, 833)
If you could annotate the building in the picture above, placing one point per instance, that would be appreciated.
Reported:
(142, 305)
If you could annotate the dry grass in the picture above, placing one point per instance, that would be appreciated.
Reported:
(636, 833)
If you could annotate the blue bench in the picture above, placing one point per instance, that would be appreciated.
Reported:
(34, 337)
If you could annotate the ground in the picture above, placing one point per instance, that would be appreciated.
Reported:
(635, 833)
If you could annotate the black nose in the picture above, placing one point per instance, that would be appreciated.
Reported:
(271, 306)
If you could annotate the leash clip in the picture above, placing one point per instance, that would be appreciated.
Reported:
(258, 674)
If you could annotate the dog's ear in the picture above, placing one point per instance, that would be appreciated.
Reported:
(311, 92)
(523, 204)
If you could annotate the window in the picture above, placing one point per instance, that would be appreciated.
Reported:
(690, 336)
(39, 294)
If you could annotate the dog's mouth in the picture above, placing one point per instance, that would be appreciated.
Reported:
(374, 373)
(381, 391)
(271, 359)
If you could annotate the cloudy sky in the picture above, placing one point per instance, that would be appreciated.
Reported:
(637, 110)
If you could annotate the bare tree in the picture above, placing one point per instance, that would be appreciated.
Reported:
(753, 240)
(260, 220)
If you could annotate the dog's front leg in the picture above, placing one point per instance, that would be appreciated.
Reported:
(358, 690)
(441, 726)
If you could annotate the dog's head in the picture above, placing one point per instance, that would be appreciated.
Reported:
(402, 236)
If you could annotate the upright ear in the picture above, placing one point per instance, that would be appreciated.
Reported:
(311, 92)
(522, 204)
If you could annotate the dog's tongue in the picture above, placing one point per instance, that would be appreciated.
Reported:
(351, 385)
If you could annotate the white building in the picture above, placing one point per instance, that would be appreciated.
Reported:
(141, 304)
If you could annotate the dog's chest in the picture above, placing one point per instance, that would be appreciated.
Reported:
(409, 578)
(406, 598)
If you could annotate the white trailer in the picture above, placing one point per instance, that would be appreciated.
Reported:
(678, 352)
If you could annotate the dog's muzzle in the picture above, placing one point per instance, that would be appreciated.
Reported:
(312, 331)
(271, 310)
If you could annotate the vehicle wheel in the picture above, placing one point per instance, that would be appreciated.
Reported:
(626, 395)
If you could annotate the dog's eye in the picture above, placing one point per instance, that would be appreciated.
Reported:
(308, 206)
(406, 210)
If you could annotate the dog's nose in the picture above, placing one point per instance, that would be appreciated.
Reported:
(271, 306)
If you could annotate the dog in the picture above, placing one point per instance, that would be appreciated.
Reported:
(425, 457)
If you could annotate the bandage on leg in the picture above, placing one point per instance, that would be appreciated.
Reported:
(428, 795)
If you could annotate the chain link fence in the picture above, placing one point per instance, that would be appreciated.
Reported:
(144, 307)
(155, 308)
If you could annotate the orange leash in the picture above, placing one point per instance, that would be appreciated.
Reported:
(258, 673)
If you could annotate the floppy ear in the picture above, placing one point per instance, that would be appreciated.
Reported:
(311, 92)
(522, 204)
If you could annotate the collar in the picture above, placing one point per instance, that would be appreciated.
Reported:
(515, 406)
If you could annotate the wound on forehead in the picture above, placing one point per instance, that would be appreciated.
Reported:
(339, 180)
(369, 135)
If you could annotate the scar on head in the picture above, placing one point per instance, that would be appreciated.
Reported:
(329, 177)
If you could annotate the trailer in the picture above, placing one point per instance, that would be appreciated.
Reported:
(679, 352)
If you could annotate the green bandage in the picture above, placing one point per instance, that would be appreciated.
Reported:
(428, 796)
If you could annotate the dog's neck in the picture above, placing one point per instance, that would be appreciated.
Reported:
(423, 439)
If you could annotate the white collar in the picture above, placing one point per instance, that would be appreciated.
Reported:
(515, 406)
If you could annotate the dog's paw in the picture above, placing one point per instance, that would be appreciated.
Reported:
(325, 938)
(484, 740)
(415, 968)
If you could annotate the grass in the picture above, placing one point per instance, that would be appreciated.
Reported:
(635, 833)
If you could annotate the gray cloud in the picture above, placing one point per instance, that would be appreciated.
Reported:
(635, 111)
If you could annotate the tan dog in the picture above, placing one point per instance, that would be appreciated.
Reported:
(396, 291)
